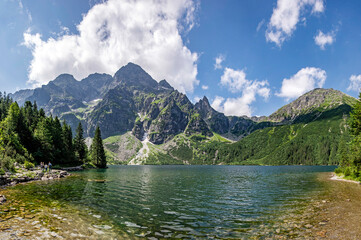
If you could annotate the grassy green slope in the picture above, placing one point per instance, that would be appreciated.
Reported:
(306, 143)
(312, 143)
(183, 149)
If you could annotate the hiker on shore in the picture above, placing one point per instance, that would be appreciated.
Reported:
(50, 165)
(46, 167)
(42, 166)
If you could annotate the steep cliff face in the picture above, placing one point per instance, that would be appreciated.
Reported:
(217, 121)
(170, 122)
(232, 127)
(115, 114)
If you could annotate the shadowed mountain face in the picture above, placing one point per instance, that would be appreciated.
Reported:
(133, 101)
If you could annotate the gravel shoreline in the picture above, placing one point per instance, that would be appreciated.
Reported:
(340, 178)
(339, 215)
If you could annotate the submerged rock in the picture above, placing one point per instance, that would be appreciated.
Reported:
(2, 199)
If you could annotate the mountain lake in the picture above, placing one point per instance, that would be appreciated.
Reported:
(156, 202)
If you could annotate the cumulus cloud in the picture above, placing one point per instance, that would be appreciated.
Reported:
(286, 15)
(217, 103)
(219, 60)
(323, 39)
(237, 82)
(303, 81)
(355, 83)
(204, 87)
(116, 32)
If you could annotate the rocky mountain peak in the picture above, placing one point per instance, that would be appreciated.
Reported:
(134, 76)
(165, 85)
(204, 107)
(63, 80)
(318, 99)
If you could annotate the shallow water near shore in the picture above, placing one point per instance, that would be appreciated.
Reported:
(168, 202)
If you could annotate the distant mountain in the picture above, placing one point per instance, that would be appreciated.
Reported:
(306, 131)
(315, 101)
(134, 108)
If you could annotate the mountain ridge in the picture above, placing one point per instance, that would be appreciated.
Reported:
(132, 101)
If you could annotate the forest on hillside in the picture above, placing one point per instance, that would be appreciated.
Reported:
(29, 137)
(350, 162)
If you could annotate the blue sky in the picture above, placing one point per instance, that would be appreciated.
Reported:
(269, 52)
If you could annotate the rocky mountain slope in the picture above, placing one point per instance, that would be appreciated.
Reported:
(131, 100)
(149, 122)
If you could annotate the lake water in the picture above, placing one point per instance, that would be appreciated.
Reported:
(179, 201)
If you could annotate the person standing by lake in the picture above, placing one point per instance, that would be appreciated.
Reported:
(50, 165)
(46, 167)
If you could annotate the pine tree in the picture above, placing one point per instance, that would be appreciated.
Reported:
(44, 137)
(97, 150)
(79, 144)
(68, 143)
(57, 133)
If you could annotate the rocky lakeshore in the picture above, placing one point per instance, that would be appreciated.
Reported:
(23, 175)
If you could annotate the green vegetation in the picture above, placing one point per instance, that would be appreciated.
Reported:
(29, 137)
(307, 142)
(97, 152)
(79, 144)
(28, 165)
(350, 153)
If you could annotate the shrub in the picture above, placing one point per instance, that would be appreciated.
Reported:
(347, 171)
(28, 165)
(338, 170)
(2, 172)
(7, 163)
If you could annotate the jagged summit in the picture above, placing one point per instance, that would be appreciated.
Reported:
(204, 107)
(205, 100)
(164, 84)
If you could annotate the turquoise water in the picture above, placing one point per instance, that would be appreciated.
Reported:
(186, 201)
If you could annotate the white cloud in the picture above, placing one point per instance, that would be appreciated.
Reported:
(323, 39)
(27, 12)
(217, 103)
(204, 87)
(196, 99)
(303, 81)
(116, 32)
(236, 81)
(285, 17)
(260, 24)
(355, 83)
(219, 60)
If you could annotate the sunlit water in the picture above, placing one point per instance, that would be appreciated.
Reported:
(182, 201)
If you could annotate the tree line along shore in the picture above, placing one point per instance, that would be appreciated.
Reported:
(350, 162)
